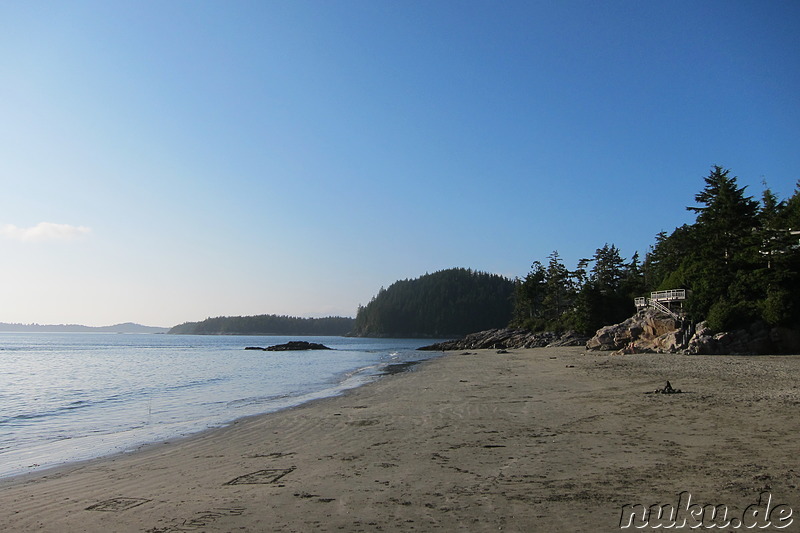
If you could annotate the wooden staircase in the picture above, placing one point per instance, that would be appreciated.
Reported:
(662, 300)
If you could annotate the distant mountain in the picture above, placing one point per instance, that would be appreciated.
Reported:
(130, 327)
(127, 327)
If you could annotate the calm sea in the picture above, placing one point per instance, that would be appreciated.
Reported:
(71, 396)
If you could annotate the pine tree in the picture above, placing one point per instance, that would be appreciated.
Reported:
(725, 252)
(559, 293)
(726, 220)
(529, 296)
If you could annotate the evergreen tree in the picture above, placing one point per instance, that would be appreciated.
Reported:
(558, 288)
(529, 297)
(725, 222)
(609, 269)
(607, 295)
(725, 252)
(780, 248)
(739, 260)
(556, 299)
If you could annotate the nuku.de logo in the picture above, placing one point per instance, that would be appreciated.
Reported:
(685, 514)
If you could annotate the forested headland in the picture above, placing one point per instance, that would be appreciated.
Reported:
(739, 261)
(447, 303)
(266, 325)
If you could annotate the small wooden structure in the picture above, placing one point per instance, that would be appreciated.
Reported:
(669, 302)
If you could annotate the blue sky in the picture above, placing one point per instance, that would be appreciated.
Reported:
(162, 162)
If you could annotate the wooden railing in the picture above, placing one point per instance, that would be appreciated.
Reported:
(668, 296)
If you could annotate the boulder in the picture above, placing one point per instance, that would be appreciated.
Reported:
(647, 331)
(618, 336)
(654, 325)
(756, 339)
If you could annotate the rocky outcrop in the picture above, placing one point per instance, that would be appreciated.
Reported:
(757, 339)
(648, 331)
(291, 346)
(498, 339)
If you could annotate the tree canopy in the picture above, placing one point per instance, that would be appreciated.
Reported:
(447, 303)
(556, 298)
(739, 260)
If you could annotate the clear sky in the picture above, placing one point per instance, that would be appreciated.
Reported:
(163, 162)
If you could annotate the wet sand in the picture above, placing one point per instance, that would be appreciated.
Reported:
(532, 440)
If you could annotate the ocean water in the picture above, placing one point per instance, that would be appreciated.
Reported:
(66, 397)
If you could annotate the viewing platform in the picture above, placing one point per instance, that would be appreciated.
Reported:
(669, 302)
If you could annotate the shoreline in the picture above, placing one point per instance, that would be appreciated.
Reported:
(112, 412)
(535, 439)
(355, 381)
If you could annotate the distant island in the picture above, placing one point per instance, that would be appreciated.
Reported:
(127, 327)
(266, 325)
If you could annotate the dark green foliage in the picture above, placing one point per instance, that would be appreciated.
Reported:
(447, 303)
(557, 299)
(739, 259)
(266, 325)
(607, 295)
(666, 258)
(529, 297)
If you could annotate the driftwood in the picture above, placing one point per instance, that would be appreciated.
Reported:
(666, 390)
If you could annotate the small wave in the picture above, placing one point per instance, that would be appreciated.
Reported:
(398, 368)
(27, 416)
(61, 410)
(361, 370)
(256, 400)
(195, 383)
(77, 404)
(64, 409)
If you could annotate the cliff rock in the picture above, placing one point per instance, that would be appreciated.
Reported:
(649, 331)
(646, 331)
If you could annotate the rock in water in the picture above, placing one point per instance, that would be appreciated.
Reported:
(296, 346)
(292, 346)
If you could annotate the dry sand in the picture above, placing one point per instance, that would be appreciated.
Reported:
(532, 440)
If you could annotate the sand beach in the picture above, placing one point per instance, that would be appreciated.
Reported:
(548, 439)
